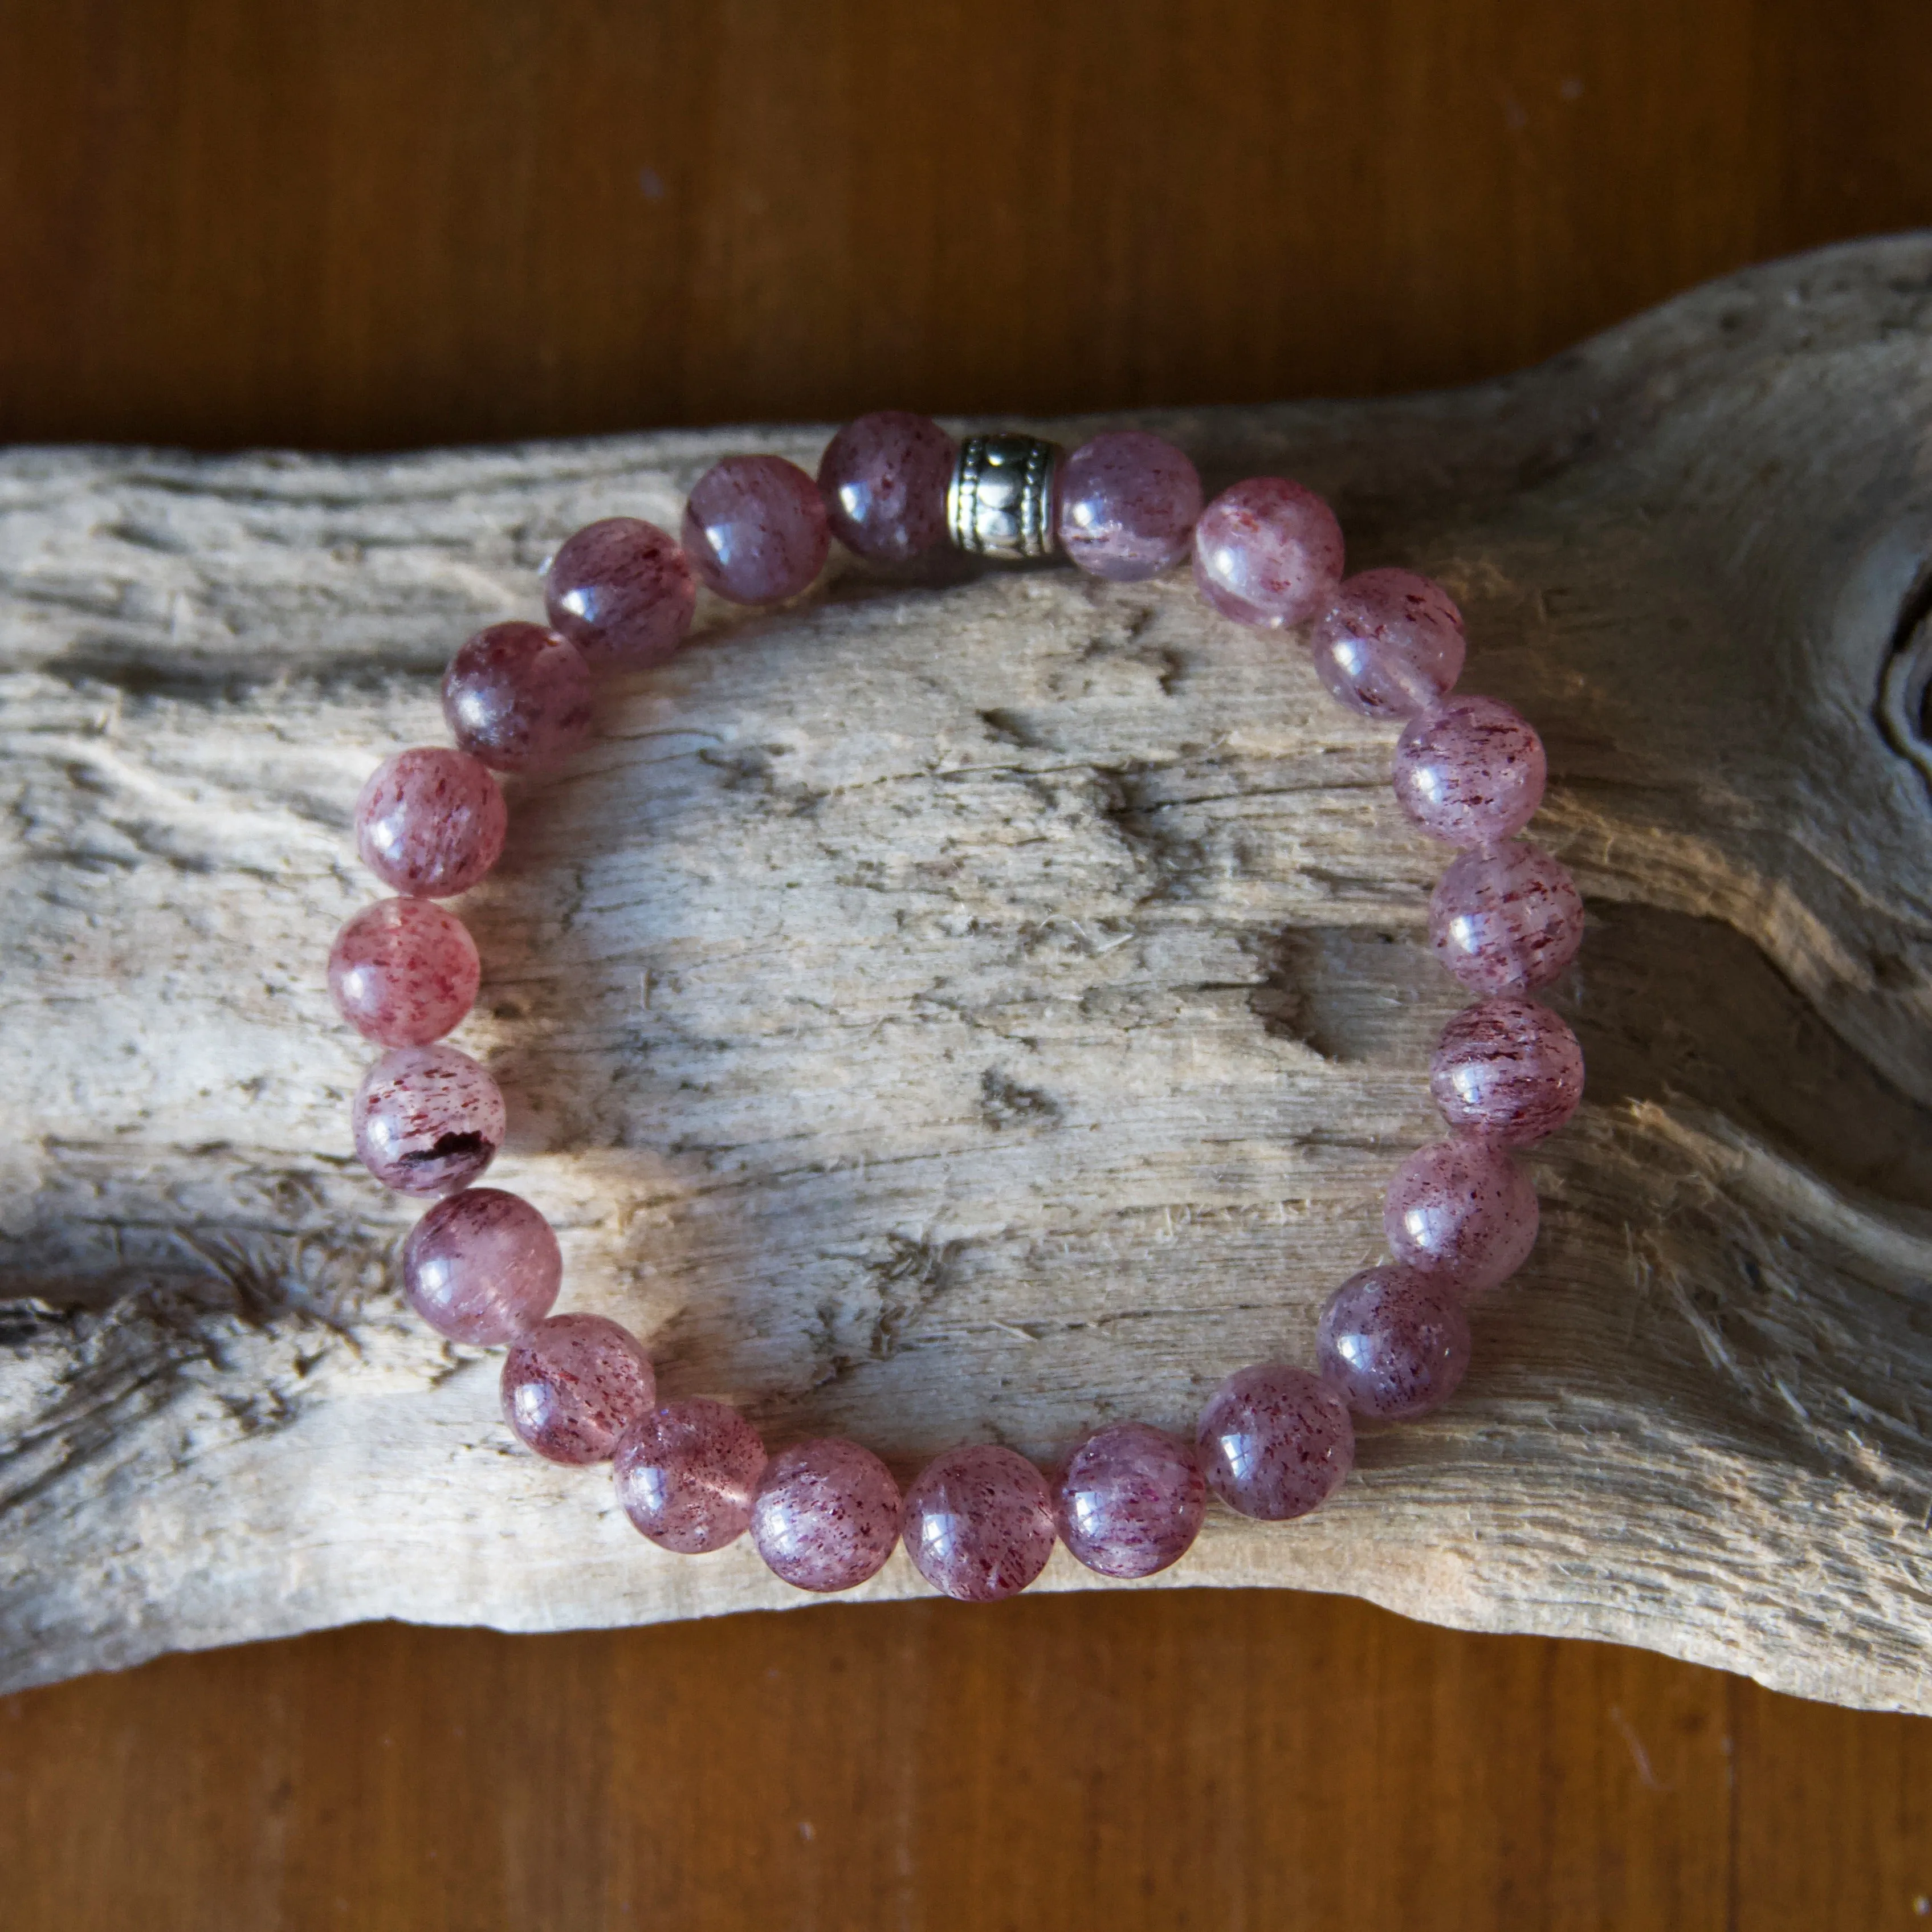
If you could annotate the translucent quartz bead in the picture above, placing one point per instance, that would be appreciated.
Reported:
(427, 1120)
(622, 592)
(1268, 553)
(1128, 504)
(884, 479)
(1276, 1441)
(755, 530)
(1463, 1212)
(573, 1385)
(430, 822)
(403, 972)
(516, 697)
(1507, 1070)
(1469, 770)
(1393, 1343)
(827, 1515)
(1390, 644)
(481, 1267)
(978, 1523)
(1506, 921)
(1130, 1500)
(686, 1475)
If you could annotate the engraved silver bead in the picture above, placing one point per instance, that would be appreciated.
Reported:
(999, 502)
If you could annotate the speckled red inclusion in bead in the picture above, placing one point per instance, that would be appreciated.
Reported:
(403, 972)
(827, 1515)
(481, 1267)
(1268, 553)
(1130, 1500)
(1128, 504)
(623, 592)
(1392, 1343)
(1469, 770)
(517, 697)
(1462, 1211)
(978, 1523)
(687, 1473)
(1507, 920)
(430, 822)
(573, 1385)
(1390, 644)
(427, 1120)
(1276, 1441)
(884, 479)
(1506, 1070)
(755, 530)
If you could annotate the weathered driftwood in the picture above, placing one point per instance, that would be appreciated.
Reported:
(986, 1007)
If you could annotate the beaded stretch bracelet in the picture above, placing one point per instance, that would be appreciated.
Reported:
(483, 1266)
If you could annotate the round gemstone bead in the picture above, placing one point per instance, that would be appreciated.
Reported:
(1268, 553)
(1128, 504)
(430, 822)
(1130, 1500)
(884, 479)
(481, 1267)
(1506, 921)
(622, 592)
(1463, 1212)
(1469, 770)
(573, 1384)
(1276, 1441)
(687, 1474)
(755, 530)
(1390, 644)
(403, 972)
(517, 697)
(978, 1523)
(1507, 1070)
(427, 1120)
(1392, 1343)
(825, 1516)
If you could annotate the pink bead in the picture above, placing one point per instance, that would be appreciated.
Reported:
(427, 1120)
(687, 1474)
(1128, 504)
(1506, 921)
(573, 1385)
(755, 530)
(1461, 1211)
(622, 592)
(516, 697)
(481, 1267)
(978, 1523)
(827, 1515)
(403, 972)
(429, 822)
(883, 479)
(1470, 770)
(1507, 1070)
(1394, 1344)
(1390, 644)
(1267, 552)
(1275, 1441)
(1130, 1500)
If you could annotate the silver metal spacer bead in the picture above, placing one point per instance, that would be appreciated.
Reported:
(999, 502)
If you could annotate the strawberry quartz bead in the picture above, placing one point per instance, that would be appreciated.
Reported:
(1506, 921)
(427, 1120)
(1128, 504)
(825, 1516)
(431, 823)
(1393, 1344)
(1461, 1212)
(622, 592)
(1130, 1500)
(1390, 644)
(517, 697)
(481, 1267)
(755, 530)
(1507, 1070)
(883, 479)
(1469, 770)
(1275, 1441)
(1267, 552)
(978, 1523)
(687, 1474)
(403, 972)
(573, 1384)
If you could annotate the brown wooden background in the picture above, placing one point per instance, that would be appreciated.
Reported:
(370, 222)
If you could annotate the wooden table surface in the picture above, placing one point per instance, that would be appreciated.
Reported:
(347, 224)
